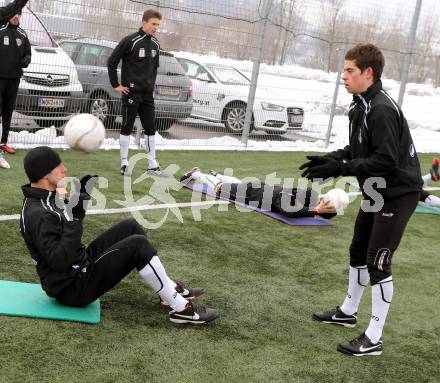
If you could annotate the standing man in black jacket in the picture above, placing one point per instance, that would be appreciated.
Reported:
(381, 152)
(15, 53)
(77, 275)
(139, 53)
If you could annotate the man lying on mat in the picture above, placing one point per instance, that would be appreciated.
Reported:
(290, 202)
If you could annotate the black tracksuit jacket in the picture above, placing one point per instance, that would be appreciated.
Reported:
(53, 240)
(139, 53)
(380, 144)
(10, 10)
(15, 51)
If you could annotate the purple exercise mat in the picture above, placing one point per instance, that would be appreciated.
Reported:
(304, 221)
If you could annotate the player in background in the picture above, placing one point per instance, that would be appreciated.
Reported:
(139, 53)
(15, 54)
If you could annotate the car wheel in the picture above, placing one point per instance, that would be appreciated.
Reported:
(164, 124)
(234, 117)
(101, 107)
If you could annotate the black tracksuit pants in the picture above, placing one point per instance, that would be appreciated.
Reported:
(377, 235)
(8, 95)
(110, 257)
(142, 104)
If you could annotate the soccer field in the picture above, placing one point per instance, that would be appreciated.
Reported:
(266, 279)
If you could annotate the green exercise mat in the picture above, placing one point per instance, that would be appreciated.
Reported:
(29, 300)
(423, 208)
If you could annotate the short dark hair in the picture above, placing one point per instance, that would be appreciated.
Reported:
(367, 55)
(151, 13)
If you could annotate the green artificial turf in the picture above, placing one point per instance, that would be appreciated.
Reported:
(266, 278)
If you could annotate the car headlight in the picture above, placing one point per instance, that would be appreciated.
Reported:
(273, 107)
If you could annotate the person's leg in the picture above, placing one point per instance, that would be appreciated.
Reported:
(346, 314)
(211, 181)
(129, 113)
(147, 117)
(113, 235)
(9, 97)
(388, 229)
(432, 200)
(228, 179)
(358, 273)
(106, 269)
(3, 163)
(426, 178)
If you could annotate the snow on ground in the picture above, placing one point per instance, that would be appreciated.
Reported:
(308, 88)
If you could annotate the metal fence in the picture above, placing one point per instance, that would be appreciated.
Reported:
(258, 70)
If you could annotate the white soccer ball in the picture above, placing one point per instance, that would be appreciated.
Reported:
(84, 132)
(338, 198)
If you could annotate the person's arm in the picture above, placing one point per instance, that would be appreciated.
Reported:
(156, 63)
(59, 243)
(310, 207)
(384, 142)
(11, 9)
(340, 154)
(121, 50)
(26, 59)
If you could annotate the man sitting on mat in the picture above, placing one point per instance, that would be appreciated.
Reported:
(290, 202)
(77, 275)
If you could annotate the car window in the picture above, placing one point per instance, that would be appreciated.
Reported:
(169, 66)
(103, 56)
(88, 55)
(229, 75)
(37, 33)
(70, 48)
(192, 69)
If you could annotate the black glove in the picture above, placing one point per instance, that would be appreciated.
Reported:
(83, 188)
(313, 161)
(25, 61)
(88, 182)
(331, 168)
(78, 210)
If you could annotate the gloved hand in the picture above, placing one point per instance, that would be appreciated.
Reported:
(313, 161)
(331, 168)
(87, 183)
(25, 61)
(83, 189)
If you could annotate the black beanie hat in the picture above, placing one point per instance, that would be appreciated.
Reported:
(39, 162)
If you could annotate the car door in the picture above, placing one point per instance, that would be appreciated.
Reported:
(86, 65)
(205, 103)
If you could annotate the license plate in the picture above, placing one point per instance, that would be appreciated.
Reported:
(295, 119)
(169, 91)
(51, 103)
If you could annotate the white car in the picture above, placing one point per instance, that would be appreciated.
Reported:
(220, 94)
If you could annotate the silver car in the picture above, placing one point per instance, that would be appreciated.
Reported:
(172, 94)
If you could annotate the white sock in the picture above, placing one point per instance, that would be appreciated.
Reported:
(124, 143)
(228, 179)
(150, 147)
(207, 179)
(155, 276)
(381, 296)
(426, 178)
(358, 278)
(432, 200)
(1, 130)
